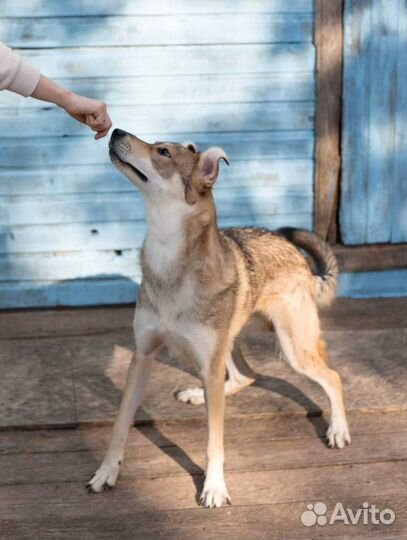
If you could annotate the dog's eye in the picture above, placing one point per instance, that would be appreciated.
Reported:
(164, 152)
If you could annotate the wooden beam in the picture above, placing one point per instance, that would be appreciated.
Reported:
(328, 41)
(373, 257)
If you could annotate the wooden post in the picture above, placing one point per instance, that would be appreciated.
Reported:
(328, 41)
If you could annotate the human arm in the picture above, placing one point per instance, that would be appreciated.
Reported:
(89, 111)
(22, 78)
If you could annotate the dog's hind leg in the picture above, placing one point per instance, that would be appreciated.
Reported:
(239, 375)
(296, 321)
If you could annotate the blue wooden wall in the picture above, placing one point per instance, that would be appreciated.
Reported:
(374, 142)
(233, 73)
(236, 74)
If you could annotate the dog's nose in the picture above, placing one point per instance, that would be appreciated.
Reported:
(118, 133)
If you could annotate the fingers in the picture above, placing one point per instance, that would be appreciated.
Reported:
(99, 120)
(91, 112)
(102, 133)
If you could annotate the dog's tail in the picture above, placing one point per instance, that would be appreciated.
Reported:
(325, 265)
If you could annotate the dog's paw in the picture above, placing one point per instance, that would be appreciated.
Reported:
(338, 435)
(192, 395)
(214, 495)
(104, 478)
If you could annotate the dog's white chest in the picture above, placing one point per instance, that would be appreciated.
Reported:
(173, 310)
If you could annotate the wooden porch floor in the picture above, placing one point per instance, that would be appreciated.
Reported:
(62, 375)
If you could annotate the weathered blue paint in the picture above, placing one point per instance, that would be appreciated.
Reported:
(209, 28)
(373, 284)
(70, 225)
(45, 8)
(158, 119)
(108, 235)
(88, 292)
(103, 178)
(283, 86)
(175, 61)
(374, 144)
(77, 208)
(72, 151)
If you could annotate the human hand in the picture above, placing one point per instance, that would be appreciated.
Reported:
(88, 111)
(91, 112)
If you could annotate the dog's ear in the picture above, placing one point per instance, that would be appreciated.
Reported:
(207, 169)
(191, 146)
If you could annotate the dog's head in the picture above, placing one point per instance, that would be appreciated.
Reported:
(166, 170)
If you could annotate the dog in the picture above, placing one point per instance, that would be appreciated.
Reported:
(200, 285)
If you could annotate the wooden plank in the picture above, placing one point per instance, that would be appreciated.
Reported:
(106, 235)
(105, 178)
(373, 257)
(103, 291)
(247, 489)
(356, 81)
(328, 40)
(156, 30)
(383, 108)
(374, 143)
(273, 521)
(100, 364)
(280, 86)
(65, 265)
(149, 461)
(345, 314)
(85, 207)
(184, 433)
(399, 191)
(44, 8)
(52, 121)
(172, 61)
(64, 322)
(373, 284)
(373, 313)
(50, 151)
(39, 391)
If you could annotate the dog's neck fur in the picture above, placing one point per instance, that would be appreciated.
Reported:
(165, 240)
(181, 238)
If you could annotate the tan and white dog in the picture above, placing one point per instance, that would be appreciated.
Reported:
(200, 285)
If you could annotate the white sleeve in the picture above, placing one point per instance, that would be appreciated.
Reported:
(16, 75)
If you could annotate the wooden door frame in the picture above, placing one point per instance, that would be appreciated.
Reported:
(328, 37)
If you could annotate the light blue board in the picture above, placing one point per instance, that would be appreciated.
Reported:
(114, 235)
(156, 30)
(373, 284)
(83, 207)
(399, 192)
(91, 292)
(70, 225)
(221, 88)
(55, 8)
(83, 150)
(211, 117)
(174, 61)
(105, 178)
(374, 142)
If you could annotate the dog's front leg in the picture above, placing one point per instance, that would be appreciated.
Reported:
(214, 491)
(105, 477)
